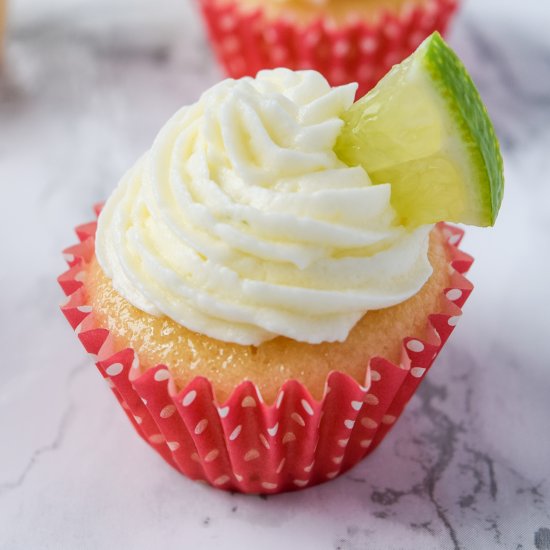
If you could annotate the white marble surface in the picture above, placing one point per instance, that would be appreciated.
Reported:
(87, 85)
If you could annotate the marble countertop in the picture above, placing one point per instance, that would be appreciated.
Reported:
(86, 85)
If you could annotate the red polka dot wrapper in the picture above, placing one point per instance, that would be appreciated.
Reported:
(245, 444)
(247, 41)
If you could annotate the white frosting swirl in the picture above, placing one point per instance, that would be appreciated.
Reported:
(242, 224)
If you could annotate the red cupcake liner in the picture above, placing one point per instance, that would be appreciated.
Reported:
(247, 41)
(245, 444)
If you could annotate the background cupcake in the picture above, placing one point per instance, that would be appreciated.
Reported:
(2, 27)
(346, 40)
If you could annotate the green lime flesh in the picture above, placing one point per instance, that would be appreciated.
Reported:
(424, 130)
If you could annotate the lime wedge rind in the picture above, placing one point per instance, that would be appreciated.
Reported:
(425, 130)
(470, 114)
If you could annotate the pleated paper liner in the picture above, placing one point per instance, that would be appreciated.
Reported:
(245, 444)
(247, 41)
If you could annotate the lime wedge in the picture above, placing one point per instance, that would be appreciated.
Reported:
(425, 130)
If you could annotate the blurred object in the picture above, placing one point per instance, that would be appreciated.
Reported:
(346, 41)
(2, 27)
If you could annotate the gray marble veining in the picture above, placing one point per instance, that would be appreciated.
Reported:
(86, 86)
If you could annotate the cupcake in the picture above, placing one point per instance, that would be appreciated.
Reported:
(262, 305)
(2, 27)
(346, 40)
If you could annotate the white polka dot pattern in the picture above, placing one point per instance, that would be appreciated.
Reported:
(168, 411)
(418, 372)
(454, 294)
(201, 426)
(115, 369)
(375, 376)
(371, 399)
(264, 441)
(223, 411)
(369, 423)
(212, 455)
(273, 430)
(298, 419)
(235, 433)
(221, 480)
(249, 446)
(415, 346)
(289, 437)
(189, 398)
(349, 424)
(162, 375)
(307, 407)
(252, 454)
(248, 401)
